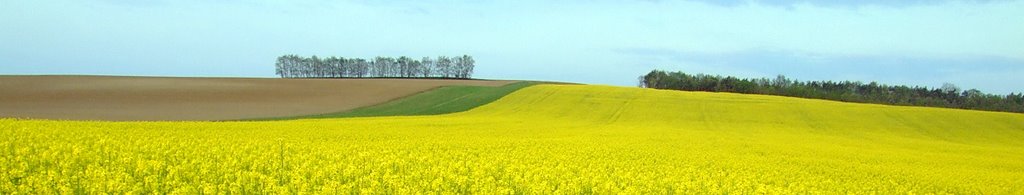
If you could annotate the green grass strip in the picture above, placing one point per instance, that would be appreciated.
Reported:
(442, 100)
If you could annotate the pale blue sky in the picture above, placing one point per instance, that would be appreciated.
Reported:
(975, 44)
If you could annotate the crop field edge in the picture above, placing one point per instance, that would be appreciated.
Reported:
(401, 106)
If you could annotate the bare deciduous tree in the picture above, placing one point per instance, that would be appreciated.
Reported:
(293, 66)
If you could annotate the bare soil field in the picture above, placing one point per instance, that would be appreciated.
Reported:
(122, 98)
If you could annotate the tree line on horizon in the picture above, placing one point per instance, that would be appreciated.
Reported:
(294, 66)
(947, 96)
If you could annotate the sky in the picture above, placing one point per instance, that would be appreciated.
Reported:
(974, 44)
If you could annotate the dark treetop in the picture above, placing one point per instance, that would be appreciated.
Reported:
(947, 96)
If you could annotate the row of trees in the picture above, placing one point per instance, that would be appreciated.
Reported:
(948, 96)
(293, 66)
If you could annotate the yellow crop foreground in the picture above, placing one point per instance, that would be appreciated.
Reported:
(541, 139)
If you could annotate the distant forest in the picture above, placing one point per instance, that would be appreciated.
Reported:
(947, 96)
(293, 66)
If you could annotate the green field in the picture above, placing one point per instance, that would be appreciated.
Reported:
(561, 139)
(443, 100)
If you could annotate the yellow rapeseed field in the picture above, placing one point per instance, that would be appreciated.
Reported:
(542, 139)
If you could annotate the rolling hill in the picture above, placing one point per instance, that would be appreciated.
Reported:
(540, 139)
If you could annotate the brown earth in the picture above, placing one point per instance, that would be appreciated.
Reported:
(183, 98)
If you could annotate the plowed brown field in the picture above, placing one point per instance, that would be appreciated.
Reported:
(184, 98)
